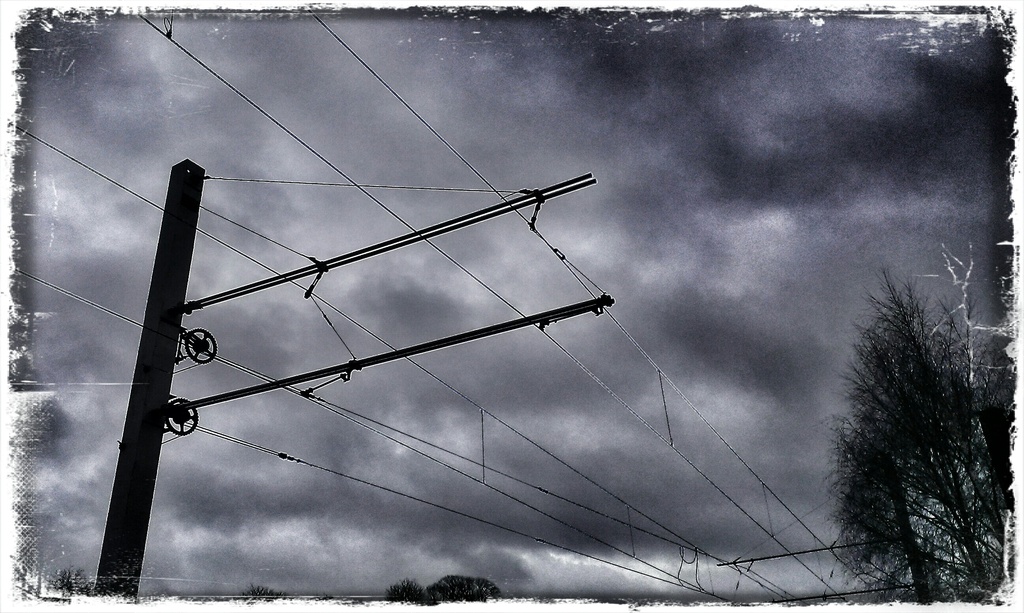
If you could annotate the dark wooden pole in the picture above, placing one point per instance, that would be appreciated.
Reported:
(131, 500)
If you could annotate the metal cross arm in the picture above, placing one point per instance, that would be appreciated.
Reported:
(541, 320)
(513, 204)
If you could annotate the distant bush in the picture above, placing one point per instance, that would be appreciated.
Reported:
(71, 582)
(459, 588)
(262, 591)
(406, 590)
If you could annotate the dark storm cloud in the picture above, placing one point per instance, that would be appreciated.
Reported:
(753, 176)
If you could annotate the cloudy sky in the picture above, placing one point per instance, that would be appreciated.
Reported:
(756, 173)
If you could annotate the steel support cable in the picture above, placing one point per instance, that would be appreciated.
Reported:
(81, 299)
(331, 324)
(696, 549)
(330, 164)
(290, 458)
(422, 188)
(783, 529)
(139, 196)
(404, 103)
(248, 229)
(844, 594)
(680, 454)
(316, 153)
(325, 160)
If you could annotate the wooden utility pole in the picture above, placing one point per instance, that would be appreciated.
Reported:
(131, 500)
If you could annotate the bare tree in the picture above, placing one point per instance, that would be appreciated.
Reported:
(455, 588)
(913, 476)
(406, 590)
(262, 591)
(71, 582)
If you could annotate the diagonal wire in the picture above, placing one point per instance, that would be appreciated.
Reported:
(704, 475)
(199, 230)
(291, 458)
(331, 324)
(334, 408)
(369, 195)
(248, 229)
(134, 193)
(707, 423)
(338, 410)
(557, 252)
(323, 403)
(323, 159)
(424, 188)
(568, 265)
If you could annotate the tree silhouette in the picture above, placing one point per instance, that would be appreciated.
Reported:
(261, 591)
(71, 582)
(460, 588)
(913, 475)
(406, 590)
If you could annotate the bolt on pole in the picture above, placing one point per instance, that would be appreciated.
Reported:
(131, 499)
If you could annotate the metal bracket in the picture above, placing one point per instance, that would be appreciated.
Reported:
(198, 345)
(180, 421)
(321, 268)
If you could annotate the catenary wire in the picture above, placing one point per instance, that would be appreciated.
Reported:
(347, 178)
(331, 407)
(721, 438)
(320, 156)
(569, 266)
(147, 201)
(558, 253)
(290, 458)
(335, 409)
(199, 230)
(506, 192)
(132, 192)
(700, 472)
(325, 160)
(351, 416)
(324, 403)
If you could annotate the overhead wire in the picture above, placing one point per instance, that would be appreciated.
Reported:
(506, 192)
(133, 193)
(574, 270)
(291, 458)
(558, 253)
(198, 229)
(331, 407)
(147, 201)
(327, 405)
(324, 403)
(377, 201)
(336, 408)
(139, 196)
(719, 435)
(312, 150)
(447, 144)
(298, 139)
